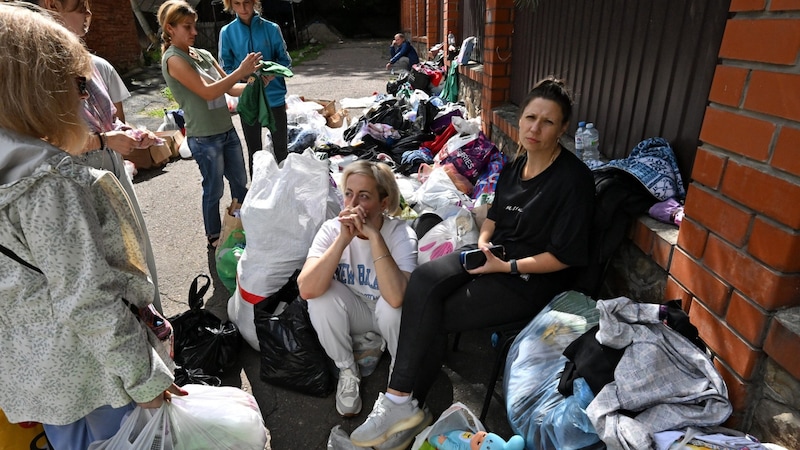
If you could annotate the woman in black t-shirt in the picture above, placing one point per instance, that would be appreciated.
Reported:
(541, 215)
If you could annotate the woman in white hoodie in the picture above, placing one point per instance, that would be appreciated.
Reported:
(74, 356)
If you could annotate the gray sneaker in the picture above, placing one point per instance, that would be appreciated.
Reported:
(403, 439)
(348, 393)
(387, 418)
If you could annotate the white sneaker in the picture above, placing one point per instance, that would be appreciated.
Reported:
(387, 418)
(348, 393)
(403, 439)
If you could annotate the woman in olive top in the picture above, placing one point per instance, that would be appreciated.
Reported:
(199, 84)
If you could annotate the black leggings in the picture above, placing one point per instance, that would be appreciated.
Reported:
(252, 137)
(443, 298)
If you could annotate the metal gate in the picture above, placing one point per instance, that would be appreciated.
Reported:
(638, 69)
(472, 24)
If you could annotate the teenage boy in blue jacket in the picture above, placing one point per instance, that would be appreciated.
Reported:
(403, 55)
(250, 32)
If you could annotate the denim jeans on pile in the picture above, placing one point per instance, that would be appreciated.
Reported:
(217, 156)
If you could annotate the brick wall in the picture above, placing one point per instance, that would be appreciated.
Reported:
(738, 252)
(496, 57)
(113, 34)
(432, 26)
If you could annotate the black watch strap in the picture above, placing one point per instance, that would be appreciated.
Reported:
(514, 270)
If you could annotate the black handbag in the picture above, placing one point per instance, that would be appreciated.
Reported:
(202, 340)
(419, 79)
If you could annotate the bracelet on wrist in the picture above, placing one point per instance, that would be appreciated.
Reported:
(514, 269)
(380, 258)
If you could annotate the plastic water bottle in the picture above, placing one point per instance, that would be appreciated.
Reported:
(579, 145)
(451, 39)
(591, 143)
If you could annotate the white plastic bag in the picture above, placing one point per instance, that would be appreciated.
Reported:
(456, 417)
(451, 233)
(437, 192)
(212, 418)
(281, 213)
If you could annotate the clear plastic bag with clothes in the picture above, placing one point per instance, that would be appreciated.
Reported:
(457, 417)
(533, 371)
(218, 418)
(340, 440)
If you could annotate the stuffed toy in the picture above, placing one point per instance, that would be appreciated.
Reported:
(466, 440)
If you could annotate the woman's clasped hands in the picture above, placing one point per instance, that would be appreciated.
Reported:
(354, 223)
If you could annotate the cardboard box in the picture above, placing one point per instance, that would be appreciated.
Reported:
(328, 106)
(174, 139)
(337, 119)
(140, 157)
(154, 156)
(160, 154)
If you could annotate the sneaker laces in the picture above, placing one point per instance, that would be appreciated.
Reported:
(379, 409)
(349, 382)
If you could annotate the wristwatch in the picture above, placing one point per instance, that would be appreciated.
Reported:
(514, 270)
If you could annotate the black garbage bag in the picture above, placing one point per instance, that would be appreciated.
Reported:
(291, 355)
(185, 376)
(202, 340)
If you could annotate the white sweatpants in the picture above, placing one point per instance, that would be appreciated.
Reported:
(339, 314)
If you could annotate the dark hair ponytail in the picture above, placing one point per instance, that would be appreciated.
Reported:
(554, 89)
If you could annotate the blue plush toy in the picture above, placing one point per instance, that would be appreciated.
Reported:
(466, 440)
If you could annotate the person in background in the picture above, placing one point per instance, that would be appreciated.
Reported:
(109, 140)
(541, 214)
(74, 358)
(198, 83)
(117, 91)
(356, 273)
(250, 32)
(402, 54)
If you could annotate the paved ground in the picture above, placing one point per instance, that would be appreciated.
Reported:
(170, 199)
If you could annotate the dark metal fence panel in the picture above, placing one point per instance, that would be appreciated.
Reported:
(472, 24)
(638, 69)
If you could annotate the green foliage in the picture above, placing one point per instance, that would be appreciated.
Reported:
(158, 112)
(167, 93)
(152, 56)
(307, 53)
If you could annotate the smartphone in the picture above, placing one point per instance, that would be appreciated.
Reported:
(472, 259)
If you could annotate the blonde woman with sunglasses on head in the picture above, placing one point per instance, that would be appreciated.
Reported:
(108, 140)
(74, 356)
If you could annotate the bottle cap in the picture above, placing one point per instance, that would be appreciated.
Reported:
(581, 124)
(589, 125)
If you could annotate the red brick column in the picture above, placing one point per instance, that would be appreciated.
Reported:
(113, 34)
(738, 255)
(496, 58)
(432, 24)
(450, 22)
(406, 16)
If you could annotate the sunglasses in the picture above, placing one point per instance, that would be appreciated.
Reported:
(80, 82)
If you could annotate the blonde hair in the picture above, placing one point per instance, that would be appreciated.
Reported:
(383, 176)
(226, 4)
(173, 12)
(41, 61)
